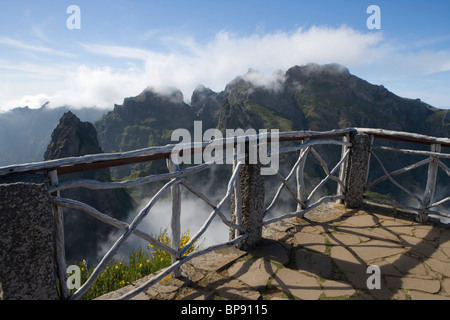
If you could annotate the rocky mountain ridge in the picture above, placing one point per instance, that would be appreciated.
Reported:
(310, 97)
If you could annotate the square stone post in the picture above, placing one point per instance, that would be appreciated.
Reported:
(358, 166)
(252, 194)
(27, 253)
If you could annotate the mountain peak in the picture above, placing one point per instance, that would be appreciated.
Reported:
(313, 70)
(72, 138)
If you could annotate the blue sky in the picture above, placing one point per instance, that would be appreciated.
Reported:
(124, 46)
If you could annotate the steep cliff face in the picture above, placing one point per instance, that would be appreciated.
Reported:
(206, 104)
(84, 234)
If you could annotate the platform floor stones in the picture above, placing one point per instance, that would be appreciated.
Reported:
(324, 255)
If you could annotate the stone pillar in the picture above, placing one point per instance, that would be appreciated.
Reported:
(358, 166)
(252, 190)
(27, 262)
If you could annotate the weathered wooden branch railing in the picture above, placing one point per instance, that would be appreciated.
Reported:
(246, 190)
(427, 200)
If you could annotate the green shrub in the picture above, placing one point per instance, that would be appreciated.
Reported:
(141, 263)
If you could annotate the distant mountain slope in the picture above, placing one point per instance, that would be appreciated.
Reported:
(25, 133)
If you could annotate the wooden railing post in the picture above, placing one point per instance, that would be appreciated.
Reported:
(358, 165)
(237, 200)
(301, 194)
(59, 239)
(431, 183)
(175, 224)
(343, 170)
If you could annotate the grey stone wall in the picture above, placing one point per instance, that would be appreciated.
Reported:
(27, 266)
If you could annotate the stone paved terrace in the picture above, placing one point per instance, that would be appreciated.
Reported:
(324, 256)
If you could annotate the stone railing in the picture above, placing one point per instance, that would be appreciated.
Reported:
(33, 190)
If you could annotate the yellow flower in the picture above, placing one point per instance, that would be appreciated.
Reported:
(117, 267)
(140, 265)
(148, 260)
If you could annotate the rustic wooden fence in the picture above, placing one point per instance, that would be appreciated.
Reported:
(434, 158)
(350, 174)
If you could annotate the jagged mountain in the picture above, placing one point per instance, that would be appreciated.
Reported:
(84, 235)
(325, 97)
(72, 137)
(310, 97)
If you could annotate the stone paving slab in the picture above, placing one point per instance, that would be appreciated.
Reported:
(425, 285)
(333, 289)
(254, 273)
(298, 284)
(376, 249)
(418, 295)
(216, 260)
(236, 290)
(314, 242)
(439, 266)
(272, 251)
(325, 256)
(318, 264)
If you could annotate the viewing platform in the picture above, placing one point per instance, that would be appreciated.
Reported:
(325, 255)
(334, 243)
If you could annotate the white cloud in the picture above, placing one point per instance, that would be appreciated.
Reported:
(226, 56)
(188, 63)
(22, 45)
(217, 62)
(116, 51)
(99, 87)
(33, 101)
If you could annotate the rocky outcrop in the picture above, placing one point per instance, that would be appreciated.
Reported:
(72, 137)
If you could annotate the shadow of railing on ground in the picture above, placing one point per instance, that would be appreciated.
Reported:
(406, 263)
